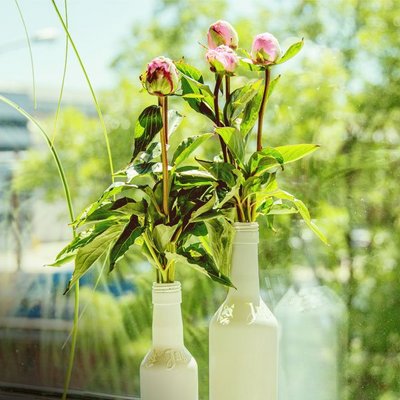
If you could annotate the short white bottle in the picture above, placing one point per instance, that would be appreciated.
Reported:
(244, 332)
(168, 371)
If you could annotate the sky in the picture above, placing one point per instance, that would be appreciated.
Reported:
(98, 28)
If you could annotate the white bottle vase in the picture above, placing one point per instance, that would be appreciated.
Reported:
(168, 371)
(244, 332)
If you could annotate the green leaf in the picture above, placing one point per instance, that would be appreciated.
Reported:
(261, 186)
(83, 239)
(209, 205)
(228, 196)
(191, 75)
(248, 63)
(207, 215)
(291, 51)
(174, 120)
(147, 126)
(233, 139)
(241, 97)
(197, 229)
(113, 190)
(193, 178)
(268, 186)
(221, 171)
(127, 238)
(303, 211)
(197, 258)
(294, 152)
(102, 213)
(65, 258)
(262, 160)
(193, 96)
(144, 162)
(220, 239)
(250, 113)
(194, 91)
(189, 70)
(162, 236)
(89, 254)
(109, 209)
(272, 85)
(187, 147)
(203, 105)
(279, 208)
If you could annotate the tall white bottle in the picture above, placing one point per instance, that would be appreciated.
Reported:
(168, 371)
(244, 332)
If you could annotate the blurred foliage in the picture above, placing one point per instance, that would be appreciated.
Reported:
(343, 92)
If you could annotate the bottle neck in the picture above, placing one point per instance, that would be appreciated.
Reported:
(244, 269)
(167, 316)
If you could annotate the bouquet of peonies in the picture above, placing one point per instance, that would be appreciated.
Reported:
(170, 207)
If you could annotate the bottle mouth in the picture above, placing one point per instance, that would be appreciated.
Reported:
(246, 226)
(166, 293)
(174, 287)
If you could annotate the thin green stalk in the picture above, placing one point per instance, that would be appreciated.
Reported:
(218, 83)
(86, 306)
(254, 210)
(30, 53)
(248, 209)
(151, 250)
(241, 214)
(52, 150)
(53, 136)
(262, 109)
(98, 109)
(171, 272)
(72, 352)
(164, 154)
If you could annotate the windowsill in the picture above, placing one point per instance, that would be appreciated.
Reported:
(11, 392)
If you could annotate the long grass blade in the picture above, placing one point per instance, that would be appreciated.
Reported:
(30, 53)
(53, 137)
(53, 151)
(82, 313)
(98, 109)
(72, 352)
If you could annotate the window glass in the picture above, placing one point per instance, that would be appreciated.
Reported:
(337, 305)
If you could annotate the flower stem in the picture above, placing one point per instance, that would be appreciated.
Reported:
(239, 209)
(216, 108)
(171, 271)
(160, 269)
(227, 97)
(262, 109)
(164, 154)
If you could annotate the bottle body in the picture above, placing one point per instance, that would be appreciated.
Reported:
(168, 371)
(243, 332)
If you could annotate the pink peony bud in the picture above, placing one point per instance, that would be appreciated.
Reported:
(222, 32)
(161, 77)
(265, 49)
(222, 59)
